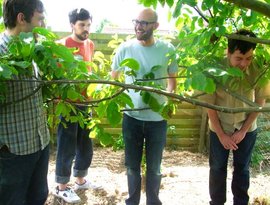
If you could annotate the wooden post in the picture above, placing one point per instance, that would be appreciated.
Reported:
(203, 132)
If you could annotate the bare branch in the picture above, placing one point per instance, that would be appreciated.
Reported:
(24, 98)
(97, 101)
(249, 39)
(255, 5)
(200, 13)
(178, 97)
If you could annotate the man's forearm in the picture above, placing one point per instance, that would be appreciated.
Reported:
(171, 83)
(252, 117)
(213, 116)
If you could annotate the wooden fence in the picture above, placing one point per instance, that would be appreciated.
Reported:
(188, 127)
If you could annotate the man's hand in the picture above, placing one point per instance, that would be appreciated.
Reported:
(238, 136)
(227, 142)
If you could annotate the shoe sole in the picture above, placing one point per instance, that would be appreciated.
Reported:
(96, 188)
(71, 202)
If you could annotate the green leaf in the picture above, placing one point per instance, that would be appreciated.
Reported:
(113, 113)
(216, 71)
(106, 139)
(162, 2)
(150, 100)
(21, 64)
(167, 110)
(101, 109)
(191, 3)
(131, 63)
(170, 3)
(149, 76)
(25, 47)
(5, 71)
(74, 119)
(156, 68)
(1, 11)
(235, 72)
(60, 109)
(198, 81)
(60, 51)
(210, 86)
(91, 89)
(95, 132)
(201, 22)
(131, 73)
(153, 103)
(72, 94)
(27, 37)
(148, 3)
(44, 32)
(177, 10)
(207, 4)
(127, 100)
(202, 83)
(145, 96)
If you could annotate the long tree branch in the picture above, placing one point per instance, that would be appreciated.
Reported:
(249, 39)
(179, 97)
(23, 98)
(98, 101)
(255, 5)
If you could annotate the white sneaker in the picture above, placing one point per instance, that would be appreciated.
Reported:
(86, 185)
(68, 195)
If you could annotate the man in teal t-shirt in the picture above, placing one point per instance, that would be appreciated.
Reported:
(143, 125)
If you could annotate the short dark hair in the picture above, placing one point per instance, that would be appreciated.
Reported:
(243, 46)
(11, 9)
(80, 14)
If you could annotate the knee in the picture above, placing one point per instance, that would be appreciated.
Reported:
(133, 171)
(216, 167)
(241, 168)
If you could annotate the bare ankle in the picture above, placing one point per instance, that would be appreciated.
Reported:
(62, 187)
(80, 180)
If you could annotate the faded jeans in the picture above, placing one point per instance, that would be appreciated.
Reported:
(73, 141)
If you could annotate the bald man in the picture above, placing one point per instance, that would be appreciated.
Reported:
(143, 127)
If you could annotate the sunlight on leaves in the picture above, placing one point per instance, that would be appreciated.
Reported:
(131, 63)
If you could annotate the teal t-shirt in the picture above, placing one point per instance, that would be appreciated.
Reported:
(159, 54)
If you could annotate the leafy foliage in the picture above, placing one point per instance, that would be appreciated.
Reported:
(202, 28)
(60, 72)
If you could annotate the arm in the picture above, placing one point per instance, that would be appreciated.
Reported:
(171, 83)
(224, 139)
(239, 135)
(91, 55)
(115, 74)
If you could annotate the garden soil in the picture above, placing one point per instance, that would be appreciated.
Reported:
(184, 181)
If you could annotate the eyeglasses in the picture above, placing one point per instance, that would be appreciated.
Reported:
(141, 23)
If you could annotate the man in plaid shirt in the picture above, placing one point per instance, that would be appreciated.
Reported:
(24, 137)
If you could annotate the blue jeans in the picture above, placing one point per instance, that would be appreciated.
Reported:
(136, 133)
(23, 178)
(218, 161)
(73, 141)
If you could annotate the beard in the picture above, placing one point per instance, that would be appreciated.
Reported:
(83, 36)
(143, 35)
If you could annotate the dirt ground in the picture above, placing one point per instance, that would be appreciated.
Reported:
(185, 180)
